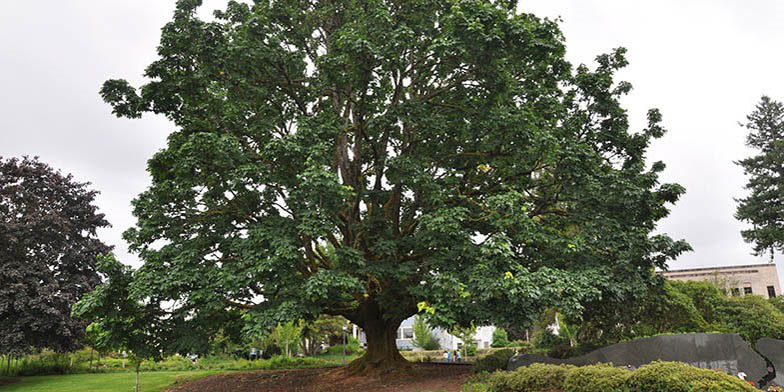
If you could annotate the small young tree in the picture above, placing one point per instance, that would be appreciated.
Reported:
(120, 321)
(287, 334)
(500, 338)
(423, 335)
(466, 334)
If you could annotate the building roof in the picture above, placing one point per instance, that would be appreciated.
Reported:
(720, 268)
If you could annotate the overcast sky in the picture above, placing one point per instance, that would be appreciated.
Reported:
(705, 64)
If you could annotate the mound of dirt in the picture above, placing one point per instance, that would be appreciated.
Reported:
(417, 378)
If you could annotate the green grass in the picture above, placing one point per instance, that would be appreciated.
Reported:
(104, 382)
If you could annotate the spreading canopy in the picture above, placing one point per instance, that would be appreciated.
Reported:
(48, 249)
(377, 159)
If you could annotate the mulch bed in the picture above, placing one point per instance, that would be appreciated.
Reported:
(417, 378)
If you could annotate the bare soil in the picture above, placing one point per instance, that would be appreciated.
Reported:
(416, 378)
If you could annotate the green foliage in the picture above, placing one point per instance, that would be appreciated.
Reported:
(324, 330)
(287, 336)
(750, 316)
(520, 345)
(655, 377)
(594, 378)
(39, 364)
(396, 136)
(423, 335)
(763, 207)
(680, 377)
(466, 335)
(353, 347)
(495, 361)
(546, 339)
(500, 338)
(663, 308)
(47, 362)
(537, 377)
(680, 307)
(566, 329)
(706, 297)
(778, 303)
(120, 321)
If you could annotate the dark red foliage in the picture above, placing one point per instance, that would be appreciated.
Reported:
(48, 250)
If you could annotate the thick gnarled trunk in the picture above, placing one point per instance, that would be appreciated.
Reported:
(381, 354)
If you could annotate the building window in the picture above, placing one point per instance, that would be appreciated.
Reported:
(735, 292)
(746, 290)
(771, 292)
(406, 333)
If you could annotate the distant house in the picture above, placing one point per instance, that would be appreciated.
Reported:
(405, 337)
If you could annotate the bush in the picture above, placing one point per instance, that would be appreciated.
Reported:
(495, 361)
(601, 377)
(545, 339)
(470, 350)
(352, 347)
(500, 338)
(45, 363)
(654, 377)
(521, 345)
(679, 377)
(537, 377)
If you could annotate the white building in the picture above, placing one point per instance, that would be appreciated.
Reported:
(405, 335)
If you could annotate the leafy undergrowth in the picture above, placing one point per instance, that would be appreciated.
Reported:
(75, 363)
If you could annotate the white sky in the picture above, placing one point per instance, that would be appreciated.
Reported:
(704, 63)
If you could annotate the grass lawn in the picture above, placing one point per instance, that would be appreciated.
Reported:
(105, 382)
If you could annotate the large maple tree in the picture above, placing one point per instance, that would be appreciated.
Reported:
(378, 159)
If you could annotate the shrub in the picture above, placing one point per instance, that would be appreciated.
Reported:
(537, 377)
(352, 347)
(546, 339)
(500, 338)
(601, 377)
(470, 350)
(661, 376)
(522, 345)
(654, 377)
(45, 363)
(494, 361)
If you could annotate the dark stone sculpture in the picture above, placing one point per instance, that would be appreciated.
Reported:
(773, 350)
(726, 352)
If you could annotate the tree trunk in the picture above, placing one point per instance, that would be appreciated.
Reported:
(382, 354)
